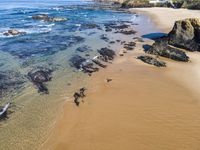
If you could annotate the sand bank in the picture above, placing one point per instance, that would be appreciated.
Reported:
(165, 17)
(143, 107)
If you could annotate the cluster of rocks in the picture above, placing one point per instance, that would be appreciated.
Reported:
(130, 45)
(162, 48)
(152, 61)
(13, 32)
(126, 31)
(89, 26)
(47, 18)
(185, 36)
(39, 77)
(119, 27)
(80, 94)
(92, 65)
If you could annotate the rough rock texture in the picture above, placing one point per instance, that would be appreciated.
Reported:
(45, 17)
(136, 3)
(186, 34)
(107, 54)
(152, 61)
(161, 48)
(13, 32)
(86, 65)
(39, 77)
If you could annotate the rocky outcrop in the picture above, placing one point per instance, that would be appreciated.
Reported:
(45, 17)
(136, 3)
(13, 32)
(152, 61)
(162, 48)
(186, 34)
(39, 77)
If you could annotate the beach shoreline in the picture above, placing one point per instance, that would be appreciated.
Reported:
(143, 107)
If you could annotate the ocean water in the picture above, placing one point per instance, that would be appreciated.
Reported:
(50, 45)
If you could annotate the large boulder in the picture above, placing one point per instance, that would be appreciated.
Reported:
(85, 65)
(107, 54)
(186, 34)
(162, 48)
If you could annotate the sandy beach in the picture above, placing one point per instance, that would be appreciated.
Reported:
(142, 108)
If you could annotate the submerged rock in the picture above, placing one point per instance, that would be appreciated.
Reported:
(84, 48)
(45, 17)
(186, 34)
(107, 53)
(104, 38)
(90, 26)
(39, 78)
(86, 65)
(161, 48)
(13, 32)
(152, 61)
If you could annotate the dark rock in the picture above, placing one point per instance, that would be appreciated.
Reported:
(45, 17)
(107, 53)
(39, 78)
(161, 48)
(152, 61)
(84, 48)
(126, 32)
(83, 64)
(97, 62)
(112, 42)
(13, 32)
(78, 95)
(118, 40)
(89, 26)
(186, 34)
(108, 80)
(77, 61)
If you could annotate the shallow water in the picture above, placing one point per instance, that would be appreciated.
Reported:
(51, 45)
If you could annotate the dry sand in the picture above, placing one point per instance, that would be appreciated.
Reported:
(142, 108)
(165, 17)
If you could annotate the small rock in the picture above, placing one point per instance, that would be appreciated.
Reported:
(108, 80)
(13, 32)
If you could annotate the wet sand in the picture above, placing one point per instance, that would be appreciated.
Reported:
(143, 108)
